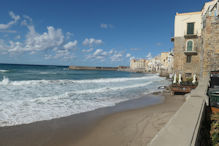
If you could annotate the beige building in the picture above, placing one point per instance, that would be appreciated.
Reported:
(164, 60)
(138, 65)
(196, 41)
(187, 40)
(154, 64)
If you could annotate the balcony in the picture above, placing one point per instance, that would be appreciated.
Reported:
(191, 35)
(192, 52)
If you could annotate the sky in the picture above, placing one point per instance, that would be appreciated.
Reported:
(87, 32)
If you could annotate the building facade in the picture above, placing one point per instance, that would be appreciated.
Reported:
(187, 38)
(138, 65)
(210, 37)
(196, 41)
(164, 60)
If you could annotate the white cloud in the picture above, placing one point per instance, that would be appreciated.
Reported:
(97, 52)
(128, 55)
(50, 39)
(37, 42)
(71, 44)
(111, 51)
(91, 41)
(149, 56)
(106, 26)
(117, 56)
(8, 31)
(17, 37)
(33, 52)
(9, 24)
(3, 46)
(62, 53)
(28, 18)
(135, 49)
(104, 53)
(48, 56)
(132, 57)
(69, 35)
(13, 16)
(88, 50)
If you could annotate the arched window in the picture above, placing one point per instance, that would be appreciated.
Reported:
(189, 45)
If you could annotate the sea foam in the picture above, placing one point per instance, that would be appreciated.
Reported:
(28, 101)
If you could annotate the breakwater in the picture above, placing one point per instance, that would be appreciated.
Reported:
(92, 68)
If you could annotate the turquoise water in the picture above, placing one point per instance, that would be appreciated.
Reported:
(33, 93)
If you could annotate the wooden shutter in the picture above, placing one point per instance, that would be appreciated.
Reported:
(189, 45)
(190, 28)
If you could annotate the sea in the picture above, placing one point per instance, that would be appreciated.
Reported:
(30, 93)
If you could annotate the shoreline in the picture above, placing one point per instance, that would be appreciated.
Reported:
(76, 129)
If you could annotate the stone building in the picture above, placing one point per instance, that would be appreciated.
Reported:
(164, 56)
(138, 65)
(210, 38)
(187, 38)
(196, 41)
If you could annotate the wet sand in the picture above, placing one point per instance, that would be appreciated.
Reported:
(127, 123)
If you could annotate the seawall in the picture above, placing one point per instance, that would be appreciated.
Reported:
(184, 127)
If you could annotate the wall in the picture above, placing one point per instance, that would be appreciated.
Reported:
(206, 6)
(181, 21)
(180, 65)
(164, 59)
(210, 36)
(183, 129)
(138, 64)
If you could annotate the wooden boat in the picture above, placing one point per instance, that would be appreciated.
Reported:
(182, 88)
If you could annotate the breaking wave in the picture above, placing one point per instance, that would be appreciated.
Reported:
(6, 81)
(4, 71)
(28, 101)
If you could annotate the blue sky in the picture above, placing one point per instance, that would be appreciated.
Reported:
(87, 32)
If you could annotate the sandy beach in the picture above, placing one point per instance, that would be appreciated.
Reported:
(129, 123)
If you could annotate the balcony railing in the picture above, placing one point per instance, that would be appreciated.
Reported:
(194, 35)
(192, 52)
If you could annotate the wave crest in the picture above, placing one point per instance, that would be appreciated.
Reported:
(4, 71)
(6, 81)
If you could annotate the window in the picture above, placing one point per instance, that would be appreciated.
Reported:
(189, 59)
(189, 45)
(190, 28)
(188, 75)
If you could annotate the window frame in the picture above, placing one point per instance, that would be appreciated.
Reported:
(186, 49)
(188, 58)
(187, 27)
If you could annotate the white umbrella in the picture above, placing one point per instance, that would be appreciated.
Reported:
(174, 79)
(180, 80)
(194, 79)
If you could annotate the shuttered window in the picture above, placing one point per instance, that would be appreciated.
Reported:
(189, 45)
(188, 59)
(190, 28)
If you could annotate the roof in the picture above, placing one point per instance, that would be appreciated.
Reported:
(189, 13)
